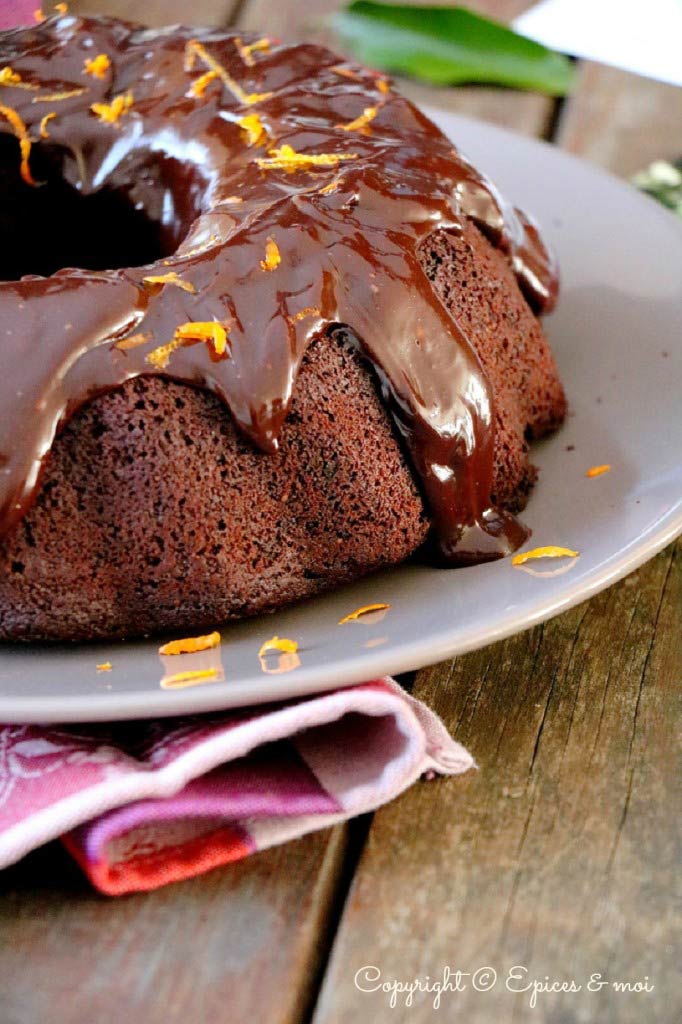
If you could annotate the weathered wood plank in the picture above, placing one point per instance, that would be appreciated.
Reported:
(622, 121)
(525, 112)
(240, 944)
(162, 12)
(562, 853)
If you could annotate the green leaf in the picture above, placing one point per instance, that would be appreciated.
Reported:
(447, 45)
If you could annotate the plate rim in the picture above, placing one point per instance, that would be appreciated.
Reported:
(405, 657)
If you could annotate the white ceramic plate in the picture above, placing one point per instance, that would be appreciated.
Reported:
(617, 335)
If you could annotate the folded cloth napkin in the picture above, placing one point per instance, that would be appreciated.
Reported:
(142, 804)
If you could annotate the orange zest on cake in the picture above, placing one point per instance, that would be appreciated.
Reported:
(97, 66)
(21, 132)
(598, 470)
(346, 72)
(195, 49)
(44, 134)
(134, 341)
(110, 113)
(55, 97)
(303, 314)
(180, 679)
(552, 551)
(256, 132)
(10, 77)
(278, 643)
(191, 644)
(365, 609)
(383, 86)
(190, 333)
(201, 84)
(365, 118)
(105, 666)
(287, 159)
(272, 256)
(246, 51)
(171, 278)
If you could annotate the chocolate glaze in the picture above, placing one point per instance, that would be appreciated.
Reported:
(349, 255)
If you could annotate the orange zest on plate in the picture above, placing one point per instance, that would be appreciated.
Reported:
(170, 278)
(191, 644)
(598, 470)
(97, 66)
(110, 113)
(21, 132)
(278, 643)
(365, 609)
(178, 680)
(272, 256)
(195, 49)
(551, 551)
(44, 134)
(287, 159)
(105, 666)
(365, 118)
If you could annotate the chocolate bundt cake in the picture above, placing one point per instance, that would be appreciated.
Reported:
(302, 340)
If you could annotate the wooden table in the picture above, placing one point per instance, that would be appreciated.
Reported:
(561, 854)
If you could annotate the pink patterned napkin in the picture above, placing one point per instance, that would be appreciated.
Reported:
(18, 12)
(142, 804)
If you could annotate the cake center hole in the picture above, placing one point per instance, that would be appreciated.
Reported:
(55, 226)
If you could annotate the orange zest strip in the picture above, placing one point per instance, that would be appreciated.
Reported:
(364, 610)
(598, 470)
(55, 97)
(38, 15)
(97, 66)
(201, 84)
(134, 341)
(191, 644)
(61, 8)
(171, 278)
(8, 76)
(159, 357)
(304, 313)
(331, 187)
(109, 113)
(345, 72)
(256, 133)
(383, 86)
(106, 666)
(44, 134)
(287, 159)
(195, 49)
(365, 118)
(210, 331)
(548, 552)
(278, 643)
(190, 333)
(246, 51)
(21, 132)
(272, 256)
(180, 679)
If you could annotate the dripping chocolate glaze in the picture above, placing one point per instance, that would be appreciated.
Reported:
(343, 238)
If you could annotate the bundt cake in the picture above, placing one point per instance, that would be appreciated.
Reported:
(301, 342)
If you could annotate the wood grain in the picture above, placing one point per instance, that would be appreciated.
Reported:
(562, 853)
(240, 945)
(622, 121)
(162, 12)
